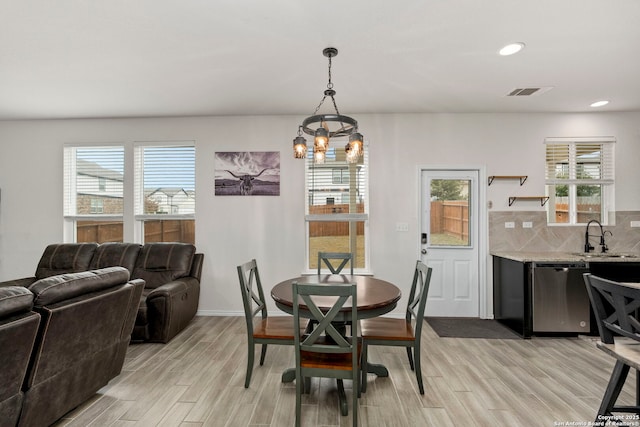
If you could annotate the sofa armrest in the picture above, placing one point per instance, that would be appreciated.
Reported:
(170, 308)
(24, 282)
(173, 288)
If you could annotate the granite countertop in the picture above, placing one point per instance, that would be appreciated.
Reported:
(568, 256)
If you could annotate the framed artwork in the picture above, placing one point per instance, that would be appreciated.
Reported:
(247, 173)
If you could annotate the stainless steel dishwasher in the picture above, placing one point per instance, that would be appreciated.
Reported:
(560, 299)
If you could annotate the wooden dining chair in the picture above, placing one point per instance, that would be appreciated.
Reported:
(327, 257)
(323, 351)
(614, 305)
(262, 329)
(400, 332)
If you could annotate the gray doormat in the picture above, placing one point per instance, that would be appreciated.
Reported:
(470, 327)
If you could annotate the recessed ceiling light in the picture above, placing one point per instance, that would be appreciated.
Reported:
(599, 103)
(512, 48)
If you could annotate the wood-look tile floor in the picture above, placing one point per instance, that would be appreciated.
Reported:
(197, 380)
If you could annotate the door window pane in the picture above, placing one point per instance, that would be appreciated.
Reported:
(449, 212)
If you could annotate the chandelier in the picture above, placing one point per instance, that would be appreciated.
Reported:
(324, 127)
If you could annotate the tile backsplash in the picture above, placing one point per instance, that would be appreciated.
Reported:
(558, 238)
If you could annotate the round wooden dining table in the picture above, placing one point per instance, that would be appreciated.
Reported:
(375, 297)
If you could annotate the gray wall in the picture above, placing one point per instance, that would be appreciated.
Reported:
(231, 230)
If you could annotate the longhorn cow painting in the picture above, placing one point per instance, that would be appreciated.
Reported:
(247, 173)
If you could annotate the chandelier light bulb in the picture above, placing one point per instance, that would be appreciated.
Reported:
(355, 144)
(299, 147)
(321, 141)
(318, 156)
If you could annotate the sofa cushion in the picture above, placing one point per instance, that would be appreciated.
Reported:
(65, 286)
(160, 263)
(63, 258)
(115, 254)
(15, 299)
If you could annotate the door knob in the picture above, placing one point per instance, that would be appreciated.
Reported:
(424, 251)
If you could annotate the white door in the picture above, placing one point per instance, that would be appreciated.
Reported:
(449, 241)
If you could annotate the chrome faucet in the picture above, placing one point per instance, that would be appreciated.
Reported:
(603, 246)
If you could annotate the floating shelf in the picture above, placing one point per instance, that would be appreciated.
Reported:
(521, 178)
(542, 199)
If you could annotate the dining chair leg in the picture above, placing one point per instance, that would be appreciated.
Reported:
(410, 356)
(637, 387)
(418, 368)
(616, 382)
(250, 360)
(342, 398)
(299, 390)
(263, 354)
(355, 393)
(365, 368)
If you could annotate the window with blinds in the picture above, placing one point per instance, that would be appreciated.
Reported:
(579, 178)
(165, 195)
(337, 206)
(156, 190)
(94, 192)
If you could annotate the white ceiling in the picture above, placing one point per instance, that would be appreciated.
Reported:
(123, 58)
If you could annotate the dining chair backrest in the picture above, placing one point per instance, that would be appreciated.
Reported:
(325, 338)
(614, 305)
(326, 258)
(252, 294)
(323, 351)
(418, 296)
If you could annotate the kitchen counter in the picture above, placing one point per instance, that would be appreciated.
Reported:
(591, 257)
(541, 293)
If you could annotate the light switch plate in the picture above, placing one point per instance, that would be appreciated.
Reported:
(402, 226)
(527, 224)
(635, 223)
(509, 224)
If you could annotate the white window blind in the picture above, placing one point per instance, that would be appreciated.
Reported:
(93, 181)
(165, 180)
(337, 190)
(579, 161)
(579, 177)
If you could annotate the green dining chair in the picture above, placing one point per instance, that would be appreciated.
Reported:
(325, 352)
(615, 306)
(400, 332)
(327, 257)
(262, 329)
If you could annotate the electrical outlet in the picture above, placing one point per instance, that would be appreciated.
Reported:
(527, 224)
(635, 223)
(509, 224)
(402, 226)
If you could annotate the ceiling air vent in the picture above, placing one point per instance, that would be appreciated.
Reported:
(524, 92)
(528, 91)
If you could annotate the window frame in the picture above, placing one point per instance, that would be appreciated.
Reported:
(132, 223)
(138, 190)
(332, 162)
(575, 165)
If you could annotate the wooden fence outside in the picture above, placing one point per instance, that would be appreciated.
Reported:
(586, 212)
(450, 217)
(333, 228)
(154, 231)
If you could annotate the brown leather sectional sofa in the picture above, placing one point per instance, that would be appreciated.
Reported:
(53, 357)
(56, 352)
(171, 272)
